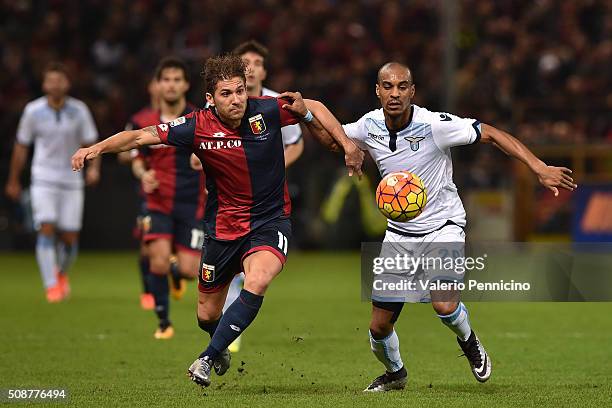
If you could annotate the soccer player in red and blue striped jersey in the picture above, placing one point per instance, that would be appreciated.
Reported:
(174, 197)
(238, 140)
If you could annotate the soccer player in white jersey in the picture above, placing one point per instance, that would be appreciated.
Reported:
(404, 136)
(56, 124)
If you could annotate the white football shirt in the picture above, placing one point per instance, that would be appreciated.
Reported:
(423, 148)
(56, 135)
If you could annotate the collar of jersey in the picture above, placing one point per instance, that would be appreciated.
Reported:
(396, 131)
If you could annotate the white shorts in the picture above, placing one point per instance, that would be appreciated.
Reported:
(58, 205)
(428, 259)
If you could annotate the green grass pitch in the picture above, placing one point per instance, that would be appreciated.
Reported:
(308, 346)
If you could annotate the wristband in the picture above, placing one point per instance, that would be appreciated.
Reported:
(308, 117)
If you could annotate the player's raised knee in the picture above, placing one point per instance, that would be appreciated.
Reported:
(444, 308)
(380, 329)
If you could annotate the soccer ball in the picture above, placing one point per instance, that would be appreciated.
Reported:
(401, 196)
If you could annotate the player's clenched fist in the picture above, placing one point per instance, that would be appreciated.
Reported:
(85, 153)
(149, 182)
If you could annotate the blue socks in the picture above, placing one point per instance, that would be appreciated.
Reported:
(160, 290)
(235, 320)
(143, 265)
(209, 327)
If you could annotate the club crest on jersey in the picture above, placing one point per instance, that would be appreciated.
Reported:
(208, 272)
(414, 142)
(258, 126)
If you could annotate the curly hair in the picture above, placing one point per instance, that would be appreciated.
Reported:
(222, 68)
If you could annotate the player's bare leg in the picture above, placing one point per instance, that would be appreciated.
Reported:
(260, 269)
(184, 266)
(159, 259)
(453, 313)
(385, 346)
(67, 250)
(46, 255)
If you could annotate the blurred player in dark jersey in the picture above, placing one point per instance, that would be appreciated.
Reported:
(141, 119)
(174, 196)
(238, 140)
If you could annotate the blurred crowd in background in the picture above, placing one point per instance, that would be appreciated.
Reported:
(538, 68)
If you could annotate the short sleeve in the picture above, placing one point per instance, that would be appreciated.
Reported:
(291, 134)
(89, 133)
(286, 117)
(450, 130)
(180, 132)
(25, 129)
(357, 132)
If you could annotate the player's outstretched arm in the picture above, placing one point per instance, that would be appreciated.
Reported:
(550, 177)
(326, 128)
(120, 142)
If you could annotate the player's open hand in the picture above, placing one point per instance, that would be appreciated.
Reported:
(297, 105)
(353, 157)
(84, 153)
(149, 182)
(554, 178)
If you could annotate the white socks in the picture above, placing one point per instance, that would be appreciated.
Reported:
(458, 322)
(234, 290)
(66, 254)
(387, 351)
(46, 257)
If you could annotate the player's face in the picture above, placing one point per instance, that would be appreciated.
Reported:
(255, 73)
(230, 99)
(154, 92)
(172, 85)
(395, 91)
(55, 84)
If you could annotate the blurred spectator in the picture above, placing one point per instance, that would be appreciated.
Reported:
(538, 68)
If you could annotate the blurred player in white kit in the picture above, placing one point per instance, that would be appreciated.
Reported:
(56, 125)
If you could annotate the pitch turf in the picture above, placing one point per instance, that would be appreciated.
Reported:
(308, 346)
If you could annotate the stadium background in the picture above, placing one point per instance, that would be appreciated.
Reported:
(538, 69)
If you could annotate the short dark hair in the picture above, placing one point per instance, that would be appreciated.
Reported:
(171, 62)
(222, 68)
(251, 46)
(55, 66)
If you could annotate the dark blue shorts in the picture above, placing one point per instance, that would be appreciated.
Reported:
(186, 234)
(221, 260)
